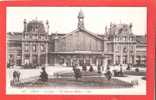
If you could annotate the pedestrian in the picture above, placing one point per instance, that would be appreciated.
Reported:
(77, 73)
(74, 67)
(128, 67)
(121, 71)
(91, 68)
(16, 76)
(84, 67)
(99, 69)
(44, 75)
(108, 74)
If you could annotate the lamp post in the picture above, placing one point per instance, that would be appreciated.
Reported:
(46, 63)
(47, 31)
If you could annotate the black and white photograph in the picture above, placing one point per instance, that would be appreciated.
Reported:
(76, 50)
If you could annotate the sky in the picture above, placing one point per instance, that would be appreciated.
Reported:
(64, 19)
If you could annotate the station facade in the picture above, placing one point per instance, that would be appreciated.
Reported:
(117, 45)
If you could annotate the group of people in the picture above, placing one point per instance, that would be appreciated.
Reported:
(78, 72)
(84, 68)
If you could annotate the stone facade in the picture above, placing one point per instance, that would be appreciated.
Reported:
(34, 42)
(14, 48)
(121, 43)
(118, 45)
(141, 46)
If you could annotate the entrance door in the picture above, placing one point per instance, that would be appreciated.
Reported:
(68, 62)
(100, 61)
(34, 60)
(81, 62)
(125, 59)
(18, 62)
(88, 62)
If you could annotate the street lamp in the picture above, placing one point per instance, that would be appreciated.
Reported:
(46, 51)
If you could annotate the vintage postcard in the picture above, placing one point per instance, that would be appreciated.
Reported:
(71, 50)
(76, 50)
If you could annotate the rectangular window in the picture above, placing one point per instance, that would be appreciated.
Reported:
(26, 46)
(34, 48)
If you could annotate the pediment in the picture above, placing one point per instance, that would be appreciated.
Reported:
(83, 32)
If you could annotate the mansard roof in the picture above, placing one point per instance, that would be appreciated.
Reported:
(119, 29)
(35, 24)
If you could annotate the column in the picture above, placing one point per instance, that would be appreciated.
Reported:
(38, 59)
(105, 64)
(128, 58)
(55, 59)
(78, 61)
(46, 54)
(90, 58)
(22, 63)
(114, 58)
(97, 62)
(30, 58)
(84, 59)
(65, 60)
(134, 54)
(22, 54)
(15, 58)
(114, 52)
(121, 56)
(30, 48)
(71, 61)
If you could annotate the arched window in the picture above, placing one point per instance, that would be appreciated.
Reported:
(125, 50)
(26, 47)
(42, 48)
